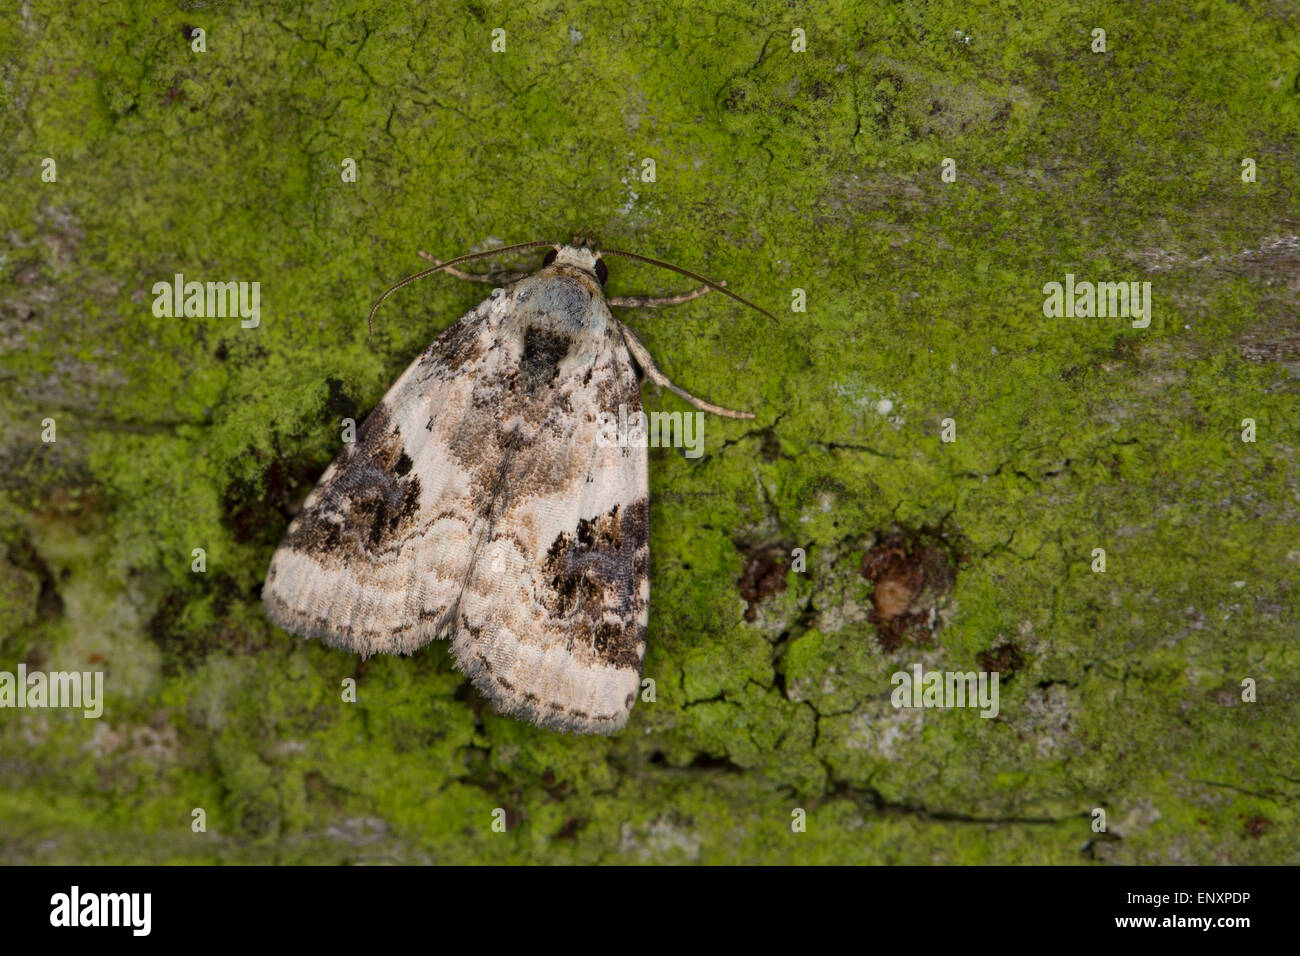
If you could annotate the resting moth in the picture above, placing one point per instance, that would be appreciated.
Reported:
(478, 504)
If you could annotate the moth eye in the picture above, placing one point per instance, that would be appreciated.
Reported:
(550, 257)
(602, 271)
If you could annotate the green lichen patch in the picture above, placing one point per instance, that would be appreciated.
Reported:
(1111, 541)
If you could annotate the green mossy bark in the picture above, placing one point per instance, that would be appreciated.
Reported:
(775, 170)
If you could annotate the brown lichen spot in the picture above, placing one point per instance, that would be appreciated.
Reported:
(1004, 658)
(734, 100)
(571, 828)
(1276, 262)
(762, 576)
(1273, 340)
(22, 554)
(320, 791)
(999, 120)
(338, 403)
(184, 646)
(913, 572)
(1256, 827)
(27, 273)
(256, 511)
(770, 450)
(1272, 349)
(557, 791)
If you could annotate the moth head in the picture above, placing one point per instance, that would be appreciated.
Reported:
(579, 257)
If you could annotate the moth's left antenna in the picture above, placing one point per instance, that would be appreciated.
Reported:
(370, 319)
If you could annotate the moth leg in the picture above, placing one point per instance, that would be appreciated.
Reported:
(653, 373)
(490, 278)
(650, 301)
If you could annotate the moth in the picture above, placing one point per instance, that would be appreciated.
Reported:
(478, 502)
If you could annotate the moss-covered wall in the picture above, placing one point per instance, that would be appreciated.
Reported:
(774, 170)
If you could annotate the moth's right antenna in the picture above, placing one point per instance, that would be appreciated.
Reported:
(370, 319)
(687, 272)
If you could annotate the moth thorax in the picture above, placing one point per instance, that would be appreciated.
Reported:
(568, 302)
